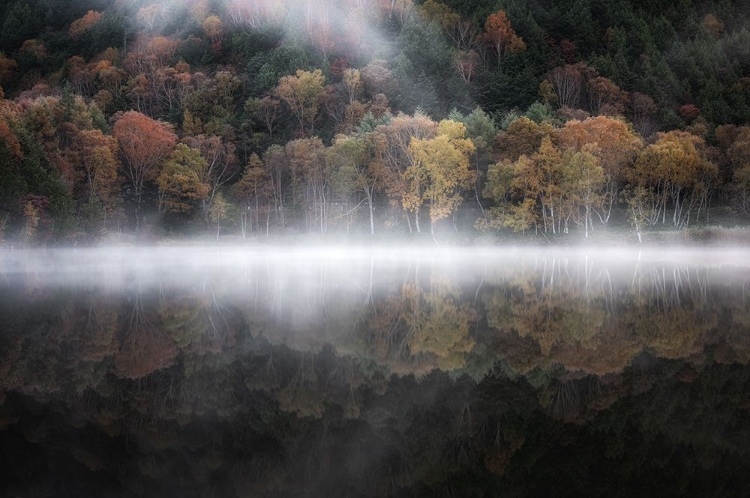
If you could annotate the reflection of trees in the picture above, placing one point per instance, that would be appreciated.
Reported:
(559, 307)
(581, 317)
(197, 321)
(144, 348)
(303, 394)
(413, 329)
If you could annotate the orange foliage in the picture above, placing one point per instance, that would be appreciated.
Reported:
(144, 143)
(80, 26)
(499, 33)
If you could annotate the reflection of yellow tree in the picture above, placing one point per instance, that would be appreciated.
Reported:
(548, 314)
(183, 319)
(416, 330)
(438, 323)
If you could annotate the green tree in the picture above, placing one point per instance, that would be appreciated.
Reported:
(348, 161)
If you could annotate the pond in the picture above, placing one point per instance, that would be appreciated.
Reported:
(232, 372)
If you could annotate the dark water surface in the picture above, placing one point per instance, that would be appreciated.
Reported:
(354, 373)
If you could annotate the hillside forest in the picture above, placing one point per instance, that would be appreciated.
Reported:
(249, 118)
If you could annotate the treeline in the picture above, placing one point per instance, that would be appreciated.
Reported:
(322, 115)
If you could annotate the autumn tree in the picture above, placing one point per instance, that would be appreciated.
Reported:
(605, 97)
(310, 182)
(462, 32)
(303, 94)
(254, 188)
(503, 187)
(584, 181)
(617, 145)
(212, 104)
(95, 154)
(214, 29)
(145, 143)
(441, 170)
(378, 78)
(348, 161)
(34, 209)
(180, 180)
(221, 164)
(264, 111)
(342, 101)
(501, 36)
(394, 157)
(466, 63)
(644, 111)
(83, 24)
(546, 180)
(523, 137)
(673, 169)
(219, 212)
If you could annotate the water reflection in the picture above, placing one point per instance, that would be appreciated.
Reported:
(205, 372)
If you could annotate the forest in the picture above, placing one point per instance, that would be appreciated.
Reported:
(241, 119)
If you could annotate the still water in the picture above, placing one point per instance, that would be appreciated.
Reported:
(349, 372)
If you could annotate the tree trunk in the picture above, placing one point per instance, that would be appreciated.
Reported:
(372, 217)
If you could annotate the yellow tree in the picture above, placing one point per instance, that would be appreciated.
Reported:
(219, 212)
(440, 323)
(394, 157)
(618, 147)
(584, 181)
(674, 169)
(499, 188)
(303, 94)
(442, 163)
(180, 185)
(96, 156)
(213, 28)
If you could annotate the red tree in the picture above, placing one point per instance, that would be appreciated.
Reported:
(145, 144)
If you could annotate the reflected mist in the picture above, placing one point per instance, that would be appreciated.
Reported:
(353, 372)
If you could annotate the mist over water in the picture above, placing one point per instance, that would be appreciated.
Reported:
(353, 371)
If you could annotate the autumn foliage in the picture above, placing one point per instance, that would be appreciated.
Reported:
(351, 115)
